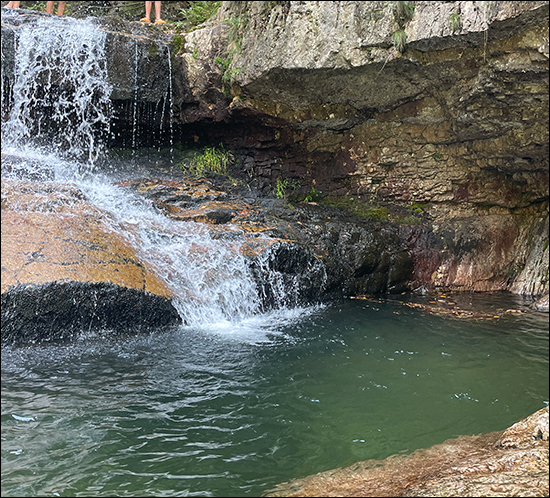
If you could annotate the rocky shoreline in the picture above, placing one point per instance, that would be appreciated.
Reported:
(513, 462)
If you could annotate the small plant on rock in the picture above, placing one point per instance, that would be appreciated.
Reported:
(313, 195)
(400, 41)
(212, 160)
(403, 12)
(454, 20)
(281, 186)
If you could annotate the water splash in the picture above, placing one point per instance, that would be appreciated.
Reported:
(60, 113)
(60, 89)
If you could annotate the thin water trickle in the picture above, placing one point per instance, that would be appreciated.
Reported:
(135, 102)
(171, 97)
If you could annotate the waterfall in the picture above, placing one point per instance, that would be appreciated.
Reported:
(60, 114)
(60, 88)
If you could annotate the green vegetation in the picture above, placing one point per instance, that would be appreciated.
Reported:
(437, 156)
(399, 41)
(402, 12)
(455, 21)
(40, 6)
(211, 160)
(408, 220)
(279, 189)
(234, 46)
(177, 44)
(281, 186)
(237, 26)
(226, 73)
(223, 63)
(313, 196)
(417, 208)
(376, 213)
(197, 13)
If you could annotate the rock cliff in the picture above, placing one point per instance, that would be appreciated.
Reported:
(451, 127)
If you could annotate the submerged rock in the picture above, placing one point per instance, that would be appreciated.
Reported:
(513, 462)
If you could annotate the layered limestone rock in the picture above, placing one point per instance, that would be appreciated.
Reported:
(317, 251)
(448, 131)
(513, 462)
(453, 125)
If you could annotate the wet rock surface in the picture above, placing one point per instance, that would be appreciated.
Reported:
(513, 462)
(453, 130)
(64, 273)
(347, 254)
(66, 311)
(541, 304)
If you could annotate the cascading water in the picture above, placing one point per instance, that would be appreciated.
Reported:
(60, 89)
(60, 111)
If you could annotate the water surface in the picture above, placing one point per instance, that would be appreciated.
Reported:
(234, 409)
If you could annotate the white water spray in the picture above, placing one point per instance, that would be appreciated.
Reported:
(60, 88)
(211, 280)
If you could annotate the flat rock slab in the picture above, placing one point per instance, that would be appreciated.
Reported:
(51, 234)
(513, 462)
(64, 272)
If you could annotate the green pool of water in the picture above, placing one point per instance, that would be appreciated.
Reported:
(233, 411)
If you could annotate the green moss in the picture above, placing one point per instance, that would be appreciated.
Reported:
(177, 44)
(152, 50)
(372, 213)
(408, 220)
(357, 208)
(417, 208)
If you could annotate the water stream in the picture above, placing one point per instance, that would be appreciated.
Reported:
(60, 111)
(236, 400)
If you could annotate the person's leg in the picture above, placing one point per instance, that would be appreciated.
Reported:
(61, 8)
(13, 5)
(147, 17)
(157, 10)
(49, 7)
